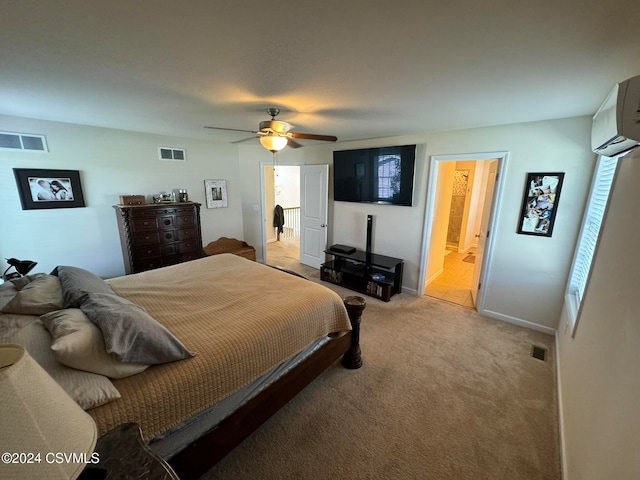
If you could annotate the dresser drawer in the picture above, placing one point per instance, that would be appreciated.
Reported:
(183, 257)
(144, 223)
(180, 247)
(142, 212)
(167, 221)
(168, 236)
(185, 220)
(185, 211)
(170, 249)
(141, 264)
(171, 260)
(149, 252)
(146, 238)
(187, 246)
(186, 234)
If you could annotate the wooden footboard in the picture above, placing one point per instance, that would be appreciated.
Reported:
(204, 453)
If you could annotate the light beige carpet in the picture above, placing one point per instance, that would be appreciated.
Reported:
(443, 394)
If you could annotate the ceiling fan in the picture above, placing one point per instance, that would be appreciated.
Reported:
(275, 134)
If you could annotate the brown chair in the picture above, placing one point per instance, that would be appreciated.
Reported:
(231, 245)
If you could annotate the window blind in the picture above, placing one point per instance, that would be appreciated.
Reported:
(590, 233)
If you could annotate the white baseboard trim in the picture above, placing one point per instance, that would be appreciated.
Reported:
(563, 449)
(433, 277)
(410, 291)
(517, 321)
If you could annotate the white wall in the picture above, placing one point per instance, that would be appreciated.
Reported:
(441, 217)
(287, 182)
(111, 163)
(600, 385)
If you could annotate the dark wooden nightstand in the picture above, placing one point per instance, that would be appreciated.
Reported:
(124, 455)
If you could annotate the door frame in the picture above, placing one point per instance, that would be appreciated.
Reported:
(435, 160)
(263, 202)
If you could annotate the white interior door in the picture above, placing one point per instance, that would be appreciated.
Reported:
(484, 227)
(314, 200)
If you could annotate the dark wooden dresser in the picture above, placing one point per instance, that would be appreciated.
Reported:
(157, 235)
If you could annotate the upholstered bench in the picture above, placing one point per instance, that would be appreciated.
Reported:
(231, 245)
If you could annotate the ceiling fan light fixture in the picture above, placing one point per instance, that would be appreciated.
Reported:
(273, 143)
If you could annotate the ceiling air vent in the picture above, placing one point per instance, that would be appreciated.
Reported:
(176, 154)
(23, 141)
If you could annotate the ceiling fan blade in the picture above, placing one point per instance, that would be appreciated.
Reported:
(292, 143)
(311, 136)
(230, 129)
(245, 140)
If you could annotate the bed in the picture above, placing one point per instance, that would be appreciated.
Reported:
(248, 338)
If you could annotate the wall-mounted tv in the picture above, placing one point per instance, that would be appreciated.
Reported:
(375, 175)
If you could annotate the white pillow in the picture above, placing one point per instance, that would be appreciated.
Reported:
(87, 389)
(78, 343)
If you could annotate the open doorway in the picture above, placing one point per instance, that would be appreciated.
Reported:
(457, 224)
(282, 188)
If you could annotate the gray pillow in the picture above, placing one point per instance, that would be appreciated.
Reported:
(41, 294)
(130, 333)
(77, 282)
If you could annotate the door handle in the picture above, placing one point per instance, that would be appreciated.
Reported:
(324, 225)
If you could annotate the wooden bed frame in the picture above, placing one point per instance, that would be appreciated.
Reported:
(198, 457)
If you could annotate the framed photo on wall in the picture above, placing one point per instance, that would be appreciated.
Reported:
(216, 193)
(540, 203)
(44, 188)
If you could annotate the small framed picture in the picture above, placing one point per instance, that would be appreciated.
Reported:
(216, 193)
(44, 188)
(540, 203)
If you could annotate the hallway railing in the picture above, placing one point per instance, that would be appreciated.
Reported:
(291, 223)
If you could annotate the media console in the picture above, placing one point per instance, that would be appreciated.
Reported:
(369, 273)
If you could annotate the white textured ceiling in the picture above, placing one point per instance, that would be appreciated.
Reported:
(352, 68)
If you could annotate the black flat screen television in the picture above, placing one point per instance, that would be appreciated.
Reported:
(375, 175)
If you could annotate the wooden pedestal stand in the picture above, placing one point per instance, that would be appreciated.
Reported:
(353, 357)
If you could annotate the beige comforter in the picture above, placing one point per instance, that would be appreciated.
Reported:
(240, 317)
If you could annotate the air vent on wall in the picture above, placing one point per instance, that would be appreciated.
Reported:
(23, 141)
(169, 153)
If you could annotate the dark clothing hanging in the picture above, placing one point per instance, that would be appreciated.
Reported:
(278, 218)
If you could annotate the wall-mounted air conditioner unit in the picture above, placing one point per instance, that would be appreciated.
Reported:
(616, 124)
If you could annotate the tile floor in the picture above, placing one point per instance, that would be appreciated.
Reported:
(454, 284)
